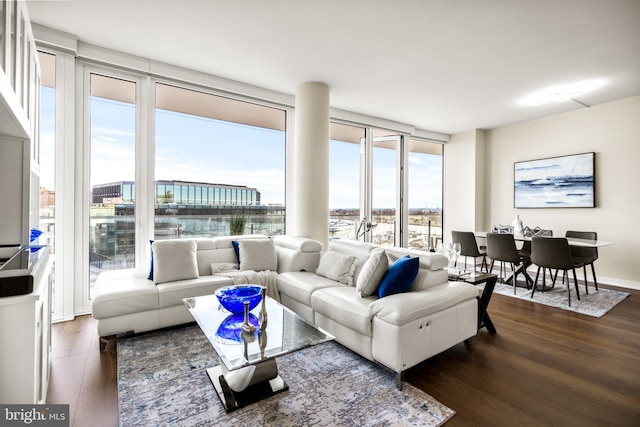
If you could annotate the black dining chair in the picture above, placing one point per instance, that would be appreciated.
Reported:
(469, 248)
(502, 247)
(525, 250)
(586, 256)
(553, 253)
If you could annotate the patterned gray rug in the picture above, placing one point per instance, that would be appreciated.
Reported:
(162, 380)
(596, 304)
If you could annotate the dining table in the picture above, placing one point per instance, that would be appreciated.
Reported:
(573, 241)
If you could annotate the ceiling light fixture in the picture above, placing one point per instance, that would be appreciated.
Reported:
(562, 93)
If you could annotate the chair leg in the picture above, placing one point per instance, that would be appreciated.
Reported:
(593, 271)
(555, 276)
(575, 281)
(533, 288)
(568, 288)
(586, 284)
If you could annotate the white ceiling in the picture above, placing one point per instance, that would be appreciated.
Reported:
(446, 66)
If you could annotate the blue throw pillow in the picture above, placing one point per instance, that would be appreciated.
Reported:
(236, 247)
(150, 276)
(399, 277)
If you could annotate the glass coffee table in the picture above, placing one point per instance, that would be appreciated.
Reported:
(248, 371)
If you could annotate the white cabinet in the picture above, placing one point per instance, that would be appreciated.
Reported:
(19, 124)
(25, 341)
(25, 320)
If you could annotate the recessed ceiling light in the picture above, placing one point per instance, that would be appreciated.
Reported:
(561, 93)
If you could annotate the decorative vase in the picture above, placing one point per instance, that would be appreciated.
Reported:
(247, 326)
(262, 341)
(263, 310)
(518, 229)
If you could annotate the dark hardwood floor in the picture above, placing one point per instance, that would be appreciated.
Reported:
(544, 367)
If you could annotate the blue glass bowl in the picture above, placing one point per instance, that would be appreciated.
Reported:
(233, 297)
(231, 328)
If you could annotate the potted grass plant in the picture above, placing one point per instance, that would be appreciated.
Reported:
(237, 223)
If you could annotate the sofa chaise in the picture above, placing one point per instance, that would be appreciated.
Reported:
(399, 330)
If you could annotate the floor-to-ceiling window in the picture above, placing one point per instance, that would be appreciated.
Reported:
(394, 180)
(121, 168)
(424, 193)
(344, 180)
(47, 157)
(219, 165)
(112, 167)
(385, 188)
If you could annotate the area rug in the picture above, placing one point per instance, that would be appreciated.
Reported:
(596, 304)
(162, 380)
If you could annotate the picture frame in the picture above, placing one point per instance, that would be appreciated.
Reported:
(555, 182)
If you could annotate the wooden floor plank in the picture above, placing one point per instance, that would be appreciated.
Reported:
(544, 367)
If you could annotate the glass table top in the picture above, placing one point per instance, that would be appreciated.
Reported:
(286, 332)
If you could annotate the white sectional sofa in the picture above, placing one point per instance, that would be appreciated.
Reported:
(337, 290)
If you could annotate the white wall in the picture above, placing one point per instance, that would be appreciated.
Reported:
(612, 131)
(464, 177)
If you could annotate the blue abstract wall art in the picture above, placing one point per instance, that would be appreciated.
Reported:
(555, 182)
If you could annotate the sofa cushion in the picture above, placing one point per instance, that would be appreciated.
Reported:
(170, 294)
(258, 255)
(399, 276)
(337, 266)
(122, 292)
(299, 285)
(360, 250)
(372, 272)
(219, 267)
(174, 259)
(236, 249)
(343, 305)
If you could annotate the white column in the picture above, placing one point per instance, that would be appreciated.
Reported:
(312, 162)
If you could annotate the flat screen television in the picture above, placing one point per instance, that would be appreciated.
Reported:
(555, 182)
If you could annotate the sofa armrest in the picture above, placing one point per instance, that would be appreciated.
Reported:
(401, 308)
(297, 253)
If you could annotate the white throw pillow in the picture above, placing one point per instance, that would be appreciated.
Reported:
(174, 260)
(219, 267)
(371, 273)
(258, 255)
(337, 266)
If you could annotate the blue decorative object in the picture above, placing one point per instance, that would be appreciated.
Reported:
(231, 327)
(34, 234)
(150, 276)
(236, 248)
(399, 277)
(233, 297)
